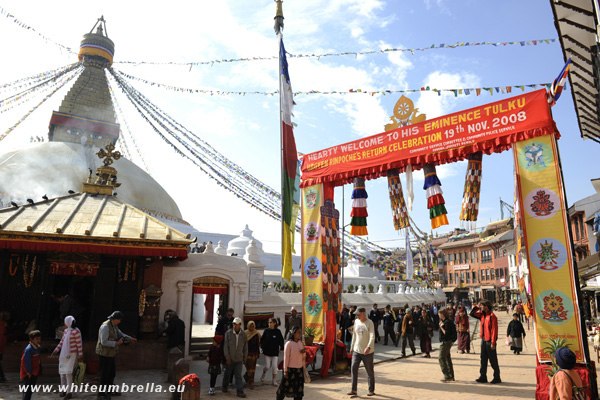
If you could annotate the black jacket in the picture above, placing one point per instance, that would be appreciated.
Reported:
(175, 333)
(515, 329)
(271, 342)
(450, 328)
(374, 316)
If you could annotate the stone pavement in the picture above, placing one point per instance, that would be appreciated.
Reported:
(413, 377)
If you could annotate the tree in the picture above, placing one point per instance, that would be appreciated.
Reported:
(294, 287)
(351, 288)
(371, 288)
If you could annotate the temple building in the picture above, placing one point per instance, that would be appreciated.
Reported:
(84, 232)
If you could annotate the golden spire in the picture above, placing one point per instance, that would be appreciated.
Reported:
(106, 176)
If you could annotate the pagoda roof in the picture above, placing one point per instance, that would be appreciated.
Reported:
(92, 223)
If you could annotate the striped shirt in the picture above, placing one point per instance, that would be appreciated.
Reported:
(74, 341)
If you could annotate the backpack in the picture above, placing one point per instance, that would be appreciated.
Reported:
(578, 392)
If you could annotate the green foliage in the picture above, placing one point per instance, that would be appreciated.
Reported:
(351, 288)
(551, 345)
(295, 287)
(309, 331)
(371, 288)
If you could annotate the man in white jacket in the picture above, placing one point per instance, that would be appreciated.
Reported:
(362, 349)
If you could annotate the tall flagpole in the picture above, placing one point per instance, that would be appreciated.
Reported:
(278, 31)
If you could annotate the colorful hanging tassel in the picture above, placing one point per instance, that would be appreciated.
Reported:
(399, 211)
(358, 224)
(435, 198)
(470, 203)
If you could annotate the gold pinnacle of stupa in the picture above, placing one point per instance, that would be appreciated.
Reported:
(106, 176)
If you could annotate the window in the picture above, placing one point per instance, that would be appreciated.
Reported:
(487, 274)
(466, 256)
(451, 257)
(449, 278)
(474, 274)
(486, 256)
(460, 259)
(576, 223)
(493, 273)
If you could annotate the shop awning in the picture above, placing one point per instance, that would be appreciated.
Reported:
(448, 289)
(488, 287)
(589, 267)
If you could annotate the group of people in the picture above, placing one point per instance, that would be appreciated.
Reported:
(238, 348)
(70, 351)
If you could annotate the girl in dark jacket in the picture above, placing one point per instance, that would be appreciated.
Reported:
(271, 342)
(517, 333)
(215, 358)
(425, 332)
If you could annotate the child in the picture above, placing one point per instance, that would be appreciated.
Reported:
(30, 362)
(215, 358)
(566, 380)
(517, 333)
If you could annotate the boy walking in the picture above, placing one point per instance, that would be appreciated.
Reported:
(30, 363)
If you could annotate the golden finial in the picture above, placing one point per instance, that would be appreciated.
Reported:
(405, 114)
(278, 16)
(106, 180)
(109, 154)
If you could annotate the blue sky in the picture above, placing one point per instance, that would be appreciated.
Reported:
(246, 128)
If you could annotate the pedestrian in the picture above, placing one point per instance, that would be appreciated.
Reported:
(362, 349)
(516, 332)
(175, 332)
(215, 358)
(253, 340)
(345, 323)
(408, 332)
(434, 315)
(520, 310)
(31, 363)
(224, 323)
(235, 350)
(3, 340)
(110, 338)
(294, 320)
(462, 327)
(566, 383)
(488, 333)
(294, 359)
(388, 326)
(447, 338)
(271, 343)
(71, 351)
(425, 332)
(375, 316)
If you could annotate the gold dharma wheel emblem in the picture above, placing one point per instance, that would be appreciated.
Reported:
(405, 114)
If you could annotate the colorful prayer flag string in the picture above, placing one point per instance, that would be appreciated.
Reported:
(435, 198)
(359, 214)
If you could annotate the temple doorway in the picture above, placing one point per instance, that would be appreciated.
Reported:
(210, 299)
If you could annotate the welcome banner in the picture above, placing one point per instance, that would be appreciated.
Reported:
(492, 127)
(312, 267)
(544, 218)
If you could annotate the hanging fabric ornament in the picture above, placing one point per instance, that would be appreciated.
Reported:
(435, 198)
(409, 187)
(358, 224)
(399, 212)
(470, 203)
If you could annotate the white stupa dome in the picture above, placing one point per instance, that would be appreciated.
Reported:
(239, 244)
(54, 168)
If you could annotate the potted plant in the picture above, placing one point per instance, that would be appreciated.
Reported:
(309, 335)
(551, 346)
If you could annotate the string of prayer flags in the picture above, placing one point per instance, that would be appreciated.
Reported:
(399, 211)
(359, 214)
(470, 204)
(435, 198)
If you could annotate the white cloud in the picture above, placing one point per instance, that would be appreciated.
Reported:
(434, 105)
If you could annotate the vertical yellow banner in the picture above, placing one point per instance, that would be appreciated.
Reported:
(544, 218)
(312, 287)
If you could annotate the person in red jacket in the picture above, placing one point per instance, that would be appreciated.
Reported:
(489, 336)
(30, 363)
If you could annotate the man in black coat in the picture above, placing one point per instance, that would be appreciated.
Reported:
(175, 332)
(376, 318)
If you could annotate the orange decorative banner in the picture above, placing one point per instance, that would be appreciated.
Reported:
(489, 128)
(545, 226)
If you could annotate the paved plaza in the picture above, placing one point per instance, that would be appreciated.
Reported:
(413, 377)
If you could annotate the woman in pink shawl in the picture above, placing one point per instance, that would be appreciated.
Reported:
(71, 350)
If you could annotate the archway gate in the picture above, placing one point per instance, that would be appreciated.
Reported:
(523, 123)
